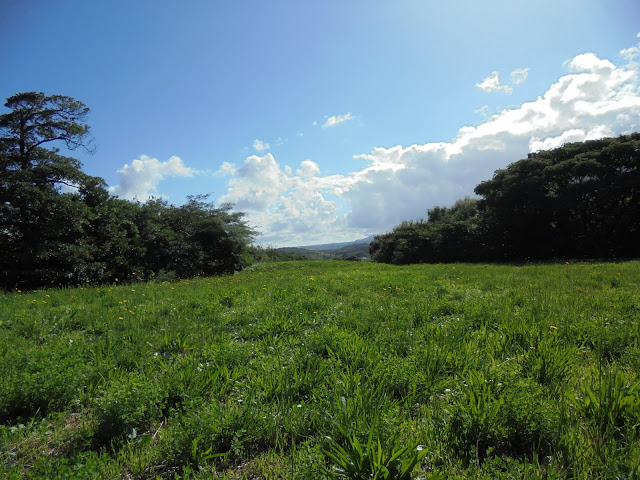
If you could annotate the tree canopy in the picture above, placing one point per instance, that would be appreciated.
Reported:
(579, 201)
(60, 226)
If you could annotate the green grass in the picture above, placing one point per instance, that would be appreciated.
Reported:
(328, 370)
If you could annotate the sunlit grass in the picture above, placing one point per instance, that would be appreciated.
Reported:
(496, 371)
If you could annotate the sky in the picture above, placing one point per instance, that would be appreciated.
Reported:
(325, 121)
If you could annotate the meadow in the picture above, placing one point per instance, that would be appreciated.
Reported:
(327, 369)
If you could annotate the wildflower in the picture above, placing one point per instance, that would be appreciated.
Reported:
(553, 327)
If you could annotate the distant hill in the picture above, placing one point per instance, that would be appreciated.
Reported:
(336, 246)
(358, 249)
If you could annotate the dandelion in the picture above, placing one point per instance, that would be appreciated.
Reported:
(553, 327)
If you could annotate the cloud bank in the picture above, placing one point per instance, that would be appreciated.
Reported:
(139, 179)
(594, 99)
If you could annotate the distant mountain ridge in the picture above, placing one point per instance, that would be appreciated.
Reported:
(335, 246)
(358, 249)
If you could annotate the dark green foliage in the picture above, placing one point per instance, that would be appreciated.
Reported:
(59, 226)
(448, 235)
(41, 229)
(579, 201)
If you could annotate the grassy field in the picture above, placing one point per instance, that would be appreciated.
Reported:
(328, 370)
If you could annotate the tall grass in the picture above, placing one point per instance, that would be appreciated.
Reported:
(328, 370)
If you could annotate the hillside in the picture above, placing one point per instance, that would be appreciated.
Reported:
(358, 250)
(289, 370)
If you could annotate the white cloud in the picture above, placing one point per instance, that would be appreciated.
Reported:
(492, 84)
(336, 120)
(595, 99)
(225, 169)
(632, 52)
(519, 75)
(484, 111)
(139, 180)
(289, 208)
(259, 145)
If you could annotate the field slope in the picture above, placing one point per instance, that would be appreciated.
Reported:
(282, 370)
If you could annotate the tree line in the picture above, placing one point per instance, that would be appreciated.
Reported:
(579, 201)
(60, 226)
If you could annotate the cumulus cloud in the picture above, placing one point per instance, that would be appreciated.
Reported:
(139, 179)
(259, 145)
(492, 84)
(596, 98)
(337, 120)
(289, 208)
(225, 169)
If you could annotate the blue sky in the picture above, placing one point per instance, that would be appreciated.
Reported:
(325, 121)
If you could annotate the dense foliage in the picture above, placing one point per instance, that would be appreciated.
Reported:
(59, 226)
(327, 369)
(579, 201)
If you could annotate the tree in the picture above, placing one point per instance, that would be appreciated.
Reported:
(42, 228)
(581, 200)
(448, 235)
